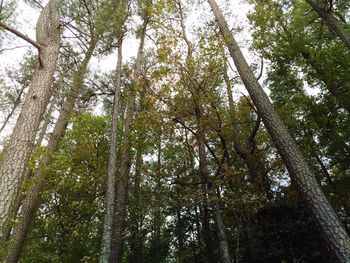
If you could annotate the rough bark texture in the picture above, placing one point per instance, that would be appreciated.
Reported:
(122, 180)
(29, 171)
(110, 186)
(17, 154)
(332, 229)
(332, 23)
(33, 194)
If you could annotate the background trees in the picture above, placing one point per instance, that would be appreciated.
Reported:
(197, 177)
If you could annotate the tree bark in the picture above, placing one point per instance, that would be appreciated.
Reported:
(29, 171)
(18, 152)
(33, 194)
(332, 22)
(332, 229)
(106, 245)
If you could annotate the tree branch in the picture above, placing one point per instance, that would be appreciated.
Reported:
(19, 34)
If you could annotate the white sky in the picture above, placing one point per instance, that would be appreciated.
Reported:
(26, 18)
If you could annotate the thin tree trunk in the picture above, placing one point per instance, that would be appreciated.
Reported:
(224, 249)
(332, 22)
(106, 245)
(136, 213)
(157, 208)
(203, 230)
(332, 229)
(16, 156)
(245, 151)
(203, 167)
(122, 180)
(223, 245)
(15, 105)
(122, 184)
(179, 232)
(202, 155)
(33, 194)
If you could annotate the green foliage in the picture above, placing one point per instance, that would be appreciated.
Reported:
(182, 94)
(69, 217)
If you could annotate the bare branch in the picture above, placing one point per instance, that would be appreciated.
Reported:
(19, 34)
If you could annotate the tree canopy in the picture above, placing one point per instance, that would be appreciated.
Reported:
(224, 138)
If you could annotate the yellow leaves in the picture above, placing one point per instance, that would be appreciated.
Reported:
(149, 10)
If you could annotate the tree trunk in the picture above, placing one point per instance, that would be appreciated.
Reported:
(16, 155)
(203, 167)
(157, 204)
(32, 198)
(29, 171)
(332, 229)
(122, 180)
(224, 250)
(16, 103)
(110, 187)
(332, 23)
(257, 173)
(202, 155)
(136, 213)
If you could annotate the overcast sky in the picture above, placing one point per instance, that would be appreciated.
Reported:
(26, 18)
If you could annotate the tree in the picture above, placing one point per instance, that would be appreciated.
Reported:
(123, 177)
(18, 151)
(332, 229)
(332, 22)
(110, 192)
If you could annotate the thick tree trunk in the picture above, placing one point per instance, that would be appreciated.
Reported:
(16, 156)
(332, 22)
(332, 229)
(122, 180)
(28, 174)
(110, 186)
(33, 194)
